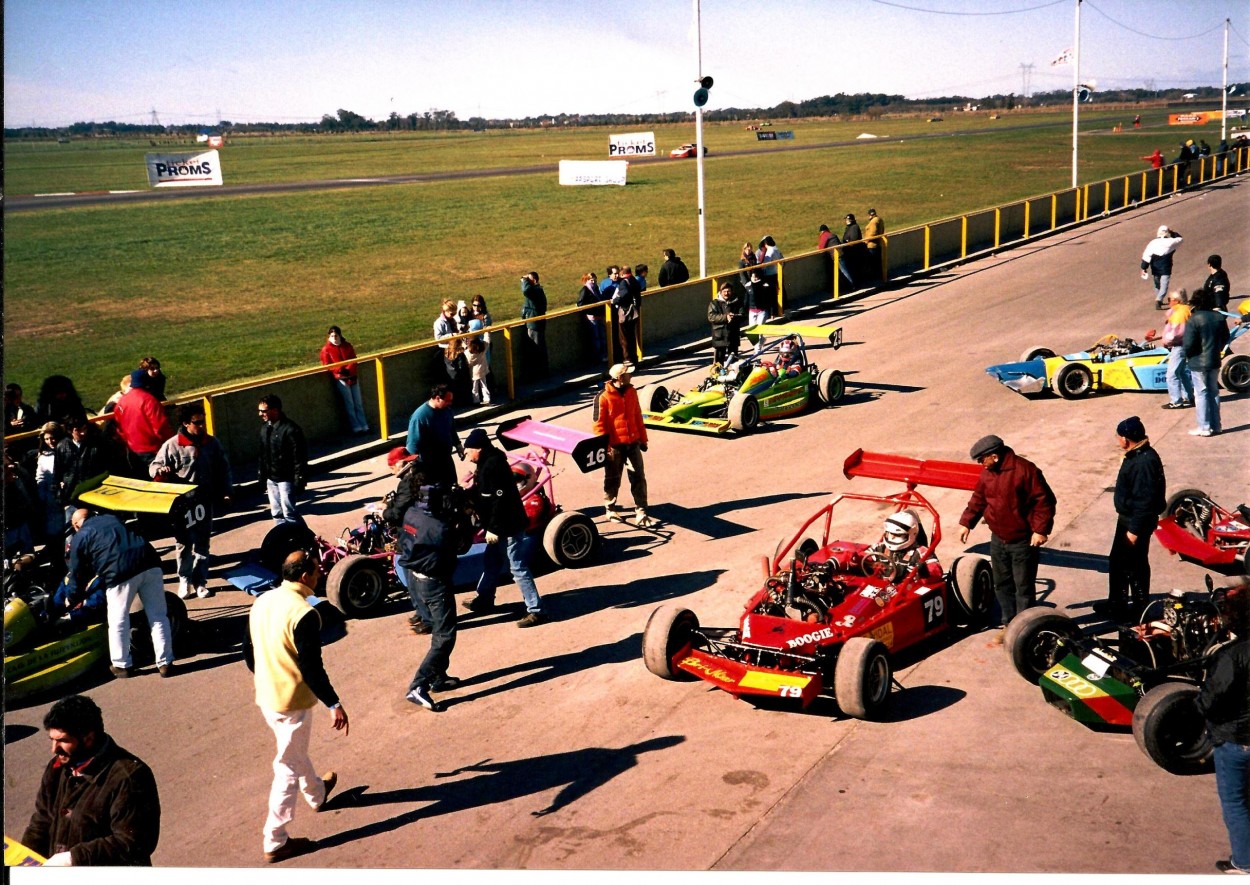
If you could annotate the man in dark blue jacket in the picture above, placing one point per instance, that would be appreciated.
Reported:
(427, 552)
(1139, 499)
(127, 566)
(1206, 335)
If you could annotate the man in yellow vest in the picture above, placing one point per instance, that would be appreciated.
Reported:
(284, 653)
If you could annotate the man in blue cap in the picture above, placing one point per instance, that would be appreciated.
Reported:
(1139, 499)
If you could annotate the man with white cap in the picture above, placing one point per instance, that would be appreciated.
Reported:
(1156, 261)
(620, 416)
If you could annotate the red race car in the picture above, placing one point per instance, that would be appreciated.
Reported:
(831, 613)
(1201, 531)
(685, 151)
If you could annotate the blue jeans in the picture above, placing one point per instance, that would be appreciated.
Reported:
(1161, 281)
(1180, 385)
(440, 602)
(282, 502)
(1232, 783)
(517, 550)
(409, 583)
(1207, 397)
(354, 404)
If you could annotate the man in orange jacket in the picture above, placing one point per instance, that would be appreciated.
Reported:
(620, 417)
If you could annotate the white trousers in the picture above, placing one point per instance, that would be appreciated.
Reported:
(149, 586)
(292, 772)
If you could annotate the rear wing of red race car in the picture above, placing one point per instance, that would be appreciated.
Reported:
(912, 471)
(589, 452)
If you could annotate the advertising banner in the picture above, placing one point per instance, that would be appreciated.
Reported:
(184, 170)
(1197, 118)
(576, 172)
(633, 144)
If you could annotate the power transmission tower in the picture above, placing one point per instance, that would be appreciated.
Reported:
(1026, 74)
(156, 121)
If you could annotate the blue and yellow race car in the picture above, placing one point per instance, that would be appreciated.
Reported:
(1112, 363)
(774, 380)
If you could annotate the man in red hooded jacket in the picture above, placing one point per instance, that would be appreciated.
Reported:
(142, 422)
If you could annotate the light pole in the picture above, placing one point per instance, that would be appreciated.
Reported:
(700, 99)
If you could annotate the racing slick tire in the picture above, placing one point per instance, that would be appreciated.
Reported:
(141, 634)
(1170, 730)
(830, 386)
(1192, 510)
(657, 398)
(356, 585)
(669, 629)
(1074, 381)
(1235, 374)
(281, 541)
(744, 412)
(862, 677)
(1036, 353)
(972, 586)
(571, 539)
(1032, 640)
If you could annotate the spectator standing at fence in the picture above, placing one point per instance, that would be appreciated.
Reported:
(193, 456)
(851, 263)
(1180, 385)
(156, 378)
(1156, 262)
(591, 297)
(282, 461)
(533, 309)
(640, 276)
(58, 400)
(611, 278)
(1155, 160)
(432, 436)
(283, 651)
(479, 371)
(619, 415)
(456, 364)
(346, 377)
(628, 304)
(874, 228)
(97, 803)
(673, 271)
(41, 464)
(142, 422)
(18, 416)
(127, 566)
(769, 275)
(826, 238)
(85, 453)
(1206, 335)
(445, 322)
(481, 321)
(504, 520)
(111, 403)
(1139, 499)
(1217, 282)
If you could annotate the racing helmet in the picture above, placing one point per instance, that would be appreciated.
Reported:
(900, 530)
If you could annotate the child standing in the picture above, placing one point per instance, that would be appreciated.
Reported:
(479, 369)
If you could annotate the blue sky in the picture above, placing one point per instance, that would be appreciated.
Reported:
(279, 60)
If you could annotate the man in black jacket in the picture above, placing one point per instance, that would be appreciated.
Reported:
(1206, 336)
(283, 460)
(1217, 282)
(97, 803)
(1139, 499)
(428, 544)
(504, 519)
(673, 270)
(1222, 702)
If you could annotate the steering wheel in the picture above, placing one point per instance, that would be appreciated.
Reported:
(881, 565)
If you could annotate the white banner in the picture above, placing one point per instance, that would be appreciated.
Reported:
(1064, 58)
(634, 144)
(184, 170)
(593, 171)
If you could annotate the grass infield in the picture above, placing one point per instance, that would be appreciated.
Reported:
(226, 288)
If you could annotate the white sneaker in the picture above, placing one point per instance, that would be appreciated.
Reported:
(184, 590)
(644, 521)
(1202, 432)
(203, 592)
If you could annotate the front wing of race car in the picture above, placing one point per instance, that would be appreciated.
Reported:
(740, 678)
(1082, 688)
(693, 412)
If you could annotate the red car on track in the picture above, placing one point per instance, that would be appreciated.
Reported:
(686, 150)
(832, 613)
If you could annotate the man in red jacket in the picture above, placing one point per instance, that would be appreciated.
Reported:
(620, 416)
(1019, 507)
(142, 422)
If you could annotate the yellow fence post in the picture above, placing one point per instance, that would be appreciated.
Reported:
(963, 244)
(781, 288)
(998, 225)
(384, 424)
(885, 259)
(1054, 210)
(507, 355)
(928, 234)
(835, 254)
(208, 414)
(1028, 207)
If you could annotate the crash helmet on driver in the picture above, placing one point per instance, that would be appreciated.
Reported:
(901, 530)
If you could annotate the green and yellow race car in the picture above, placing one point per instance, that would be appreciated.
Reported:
(774, 380)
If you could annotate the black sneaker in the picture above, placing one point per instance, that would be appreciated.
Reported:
(446, 683)
(1226, 866)
(421, 697)
(479, 605)
(1179, 405)
(1110, 608)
